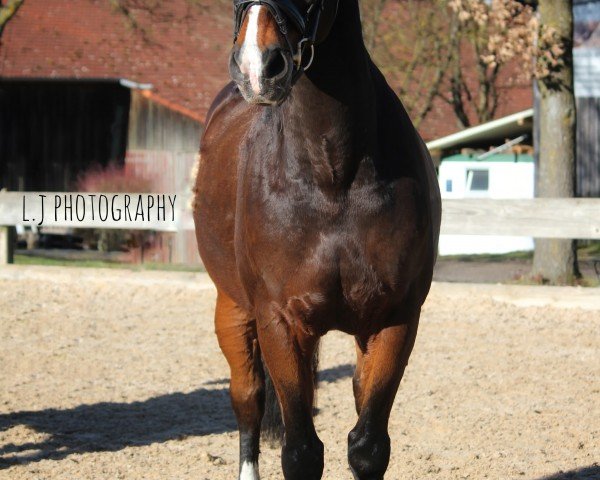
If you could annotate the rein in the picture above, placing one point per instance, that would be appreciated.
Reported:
(286, 12)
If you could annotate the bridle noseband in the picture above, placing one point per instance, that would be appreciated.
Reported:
(286, 12)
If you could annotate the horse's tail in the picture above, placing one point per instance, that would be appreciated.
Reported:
(272, 423)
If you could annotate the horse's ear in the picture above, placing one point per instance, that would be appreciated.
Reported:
(327, 19)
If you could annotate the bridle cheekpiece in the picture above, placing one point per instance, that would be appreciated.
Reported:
(285, 13)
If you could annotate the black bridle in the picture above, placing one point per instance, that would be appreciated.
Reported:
(286, 13)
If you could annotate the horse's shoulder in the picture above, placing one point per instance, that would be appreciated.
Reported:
(228, 94)
(216, 187)
(228, 113)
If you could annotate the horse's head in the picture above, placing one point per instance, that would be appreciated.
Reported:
(274, 43)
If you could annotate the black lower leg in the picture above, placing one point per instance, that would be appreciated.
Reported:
(249, 452)
(249, 446)
(368, 451)
(302, 457)
(248, 404)
(302, 452)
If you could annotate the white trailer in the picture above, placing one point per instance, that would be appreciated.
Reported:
(499, 176)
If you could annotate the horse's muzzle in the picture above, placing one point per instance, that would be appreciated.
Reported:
(266, 81)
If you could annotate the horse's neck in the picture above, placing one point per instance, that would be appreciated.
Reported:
(332, 107)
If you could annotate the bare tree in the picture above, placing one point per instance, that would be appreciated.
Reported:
(408, 40)
(371, 11)
(8, 10)
(455, 50)
(141, 15)
(555, 261)
(491, 37)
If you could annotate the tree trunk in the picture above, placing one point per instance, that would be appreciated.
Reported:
(555, 260)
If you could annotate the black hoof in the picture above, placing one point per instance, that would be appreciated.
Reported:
(368, 455)
(303, 462)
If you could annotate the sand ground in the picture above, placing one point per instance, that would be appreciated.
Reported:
(118, 375)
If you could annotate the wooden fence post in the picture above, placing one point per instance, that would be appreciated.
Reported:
(7, 245)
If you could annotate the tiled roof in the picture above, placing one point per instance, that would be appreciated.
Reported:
(184, 55)
(182, 52)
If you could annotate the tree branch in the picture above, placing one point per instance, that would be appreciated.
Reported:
(8, 11)
(372, 27)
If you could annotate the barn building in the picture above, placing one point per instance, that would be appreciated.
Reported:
(54, 130)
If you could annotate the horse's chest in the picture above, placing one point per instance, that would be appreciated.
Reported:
(344, 265)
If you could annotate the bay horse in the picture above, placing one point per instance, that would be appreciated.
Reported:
(317, 208)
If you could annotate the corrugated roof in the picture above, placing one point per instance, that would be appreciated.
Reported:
(509, 126)
(497, 158)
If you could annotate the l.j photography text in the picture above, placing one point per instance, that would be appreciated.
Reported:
(102, 207)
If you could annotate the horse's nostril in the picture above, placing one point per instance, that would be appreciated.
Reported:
(234, 66)
(235, 57)
(275, 64)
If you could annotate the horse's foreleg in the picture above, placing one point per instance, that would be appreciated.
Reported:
(382, 359)
(356, 378)
(238, 341)
(288, 355)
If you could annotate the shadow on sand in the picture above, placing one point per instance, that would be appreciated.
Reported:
(114, 426)
(587, 473)
(111, 426)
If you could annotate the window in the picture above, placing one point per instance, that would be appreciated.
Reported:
(449, 186)
(478, 180)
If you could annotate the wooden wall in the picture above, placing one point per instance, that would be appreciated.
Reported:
(588, 144)
(163, 144)
(170, 172)
(588, 147)
(159, 127)
(52, 130)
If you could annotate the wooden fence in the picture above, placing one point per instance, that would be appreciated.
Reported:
(577, 218)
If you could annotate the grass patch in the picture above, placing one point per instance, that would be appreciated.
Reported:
(589, 250)
(585, 251)
(587, 282)
(490, 257)
(151, 266)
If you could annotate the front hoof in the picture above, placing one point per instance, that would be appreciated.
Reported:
(368, 455)
(303, 462)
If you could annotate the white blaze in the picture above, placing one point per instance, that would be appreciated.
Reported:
(250, 55)
(249, 471)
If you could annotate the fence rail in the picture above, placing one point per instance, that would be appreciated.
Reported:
(539, 218)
